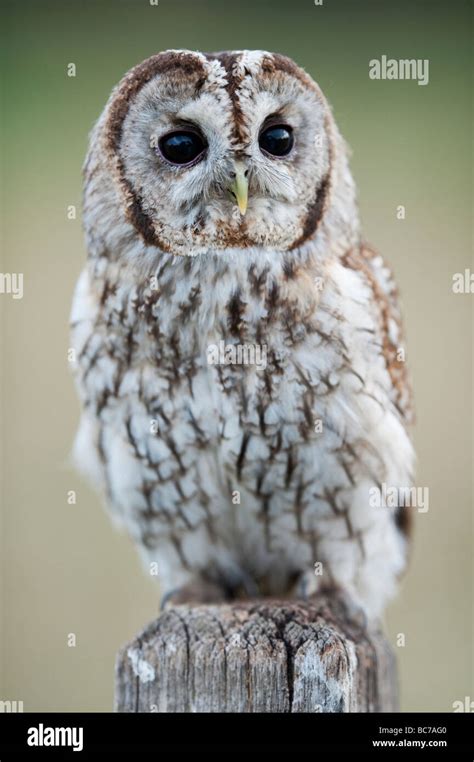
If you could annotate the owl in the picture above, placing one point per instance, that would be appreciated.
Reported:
(239, 351)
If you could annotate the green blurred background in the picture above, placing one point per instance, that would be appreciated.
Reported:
(64, 568)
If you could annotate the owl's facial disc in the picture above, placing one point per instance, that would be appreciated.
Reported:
(222, 151)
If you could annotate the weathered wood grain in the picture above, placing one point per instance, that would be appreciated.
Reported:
(258, 656)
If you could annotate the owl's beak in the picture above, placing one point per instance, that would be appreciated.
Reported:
(239, 187)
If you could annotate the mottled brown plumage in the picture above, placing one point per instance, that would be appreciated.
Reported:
(244, 397)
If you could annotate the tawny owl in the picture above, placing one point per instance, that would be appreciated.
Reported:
(244, 395)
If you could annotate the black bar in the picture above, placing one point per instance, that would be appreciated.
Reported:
(442, 734)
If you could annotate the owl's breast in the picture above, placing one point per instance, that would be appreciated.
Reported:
(243, 424)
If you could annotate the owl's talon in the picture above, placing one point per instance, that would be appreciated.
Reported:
(167, 597)
(306, 585)
(303, 588)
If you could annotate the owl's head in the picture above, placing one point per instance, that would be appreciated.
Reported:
(205, 152)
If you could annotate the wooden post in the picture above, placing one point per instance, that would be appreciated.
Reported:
(258, 656)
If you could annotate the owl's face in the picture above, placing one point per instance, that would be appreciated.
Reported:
(220, 151)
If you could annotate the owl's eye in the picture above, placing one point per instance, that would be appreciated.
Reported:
(182, 147)
(276, 140)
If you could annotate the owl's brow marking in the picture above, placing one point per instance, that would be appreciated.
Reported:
(229, 63)
(161, 63)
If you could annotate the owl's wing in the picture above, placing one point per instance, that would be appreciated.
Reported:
(379, 277)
